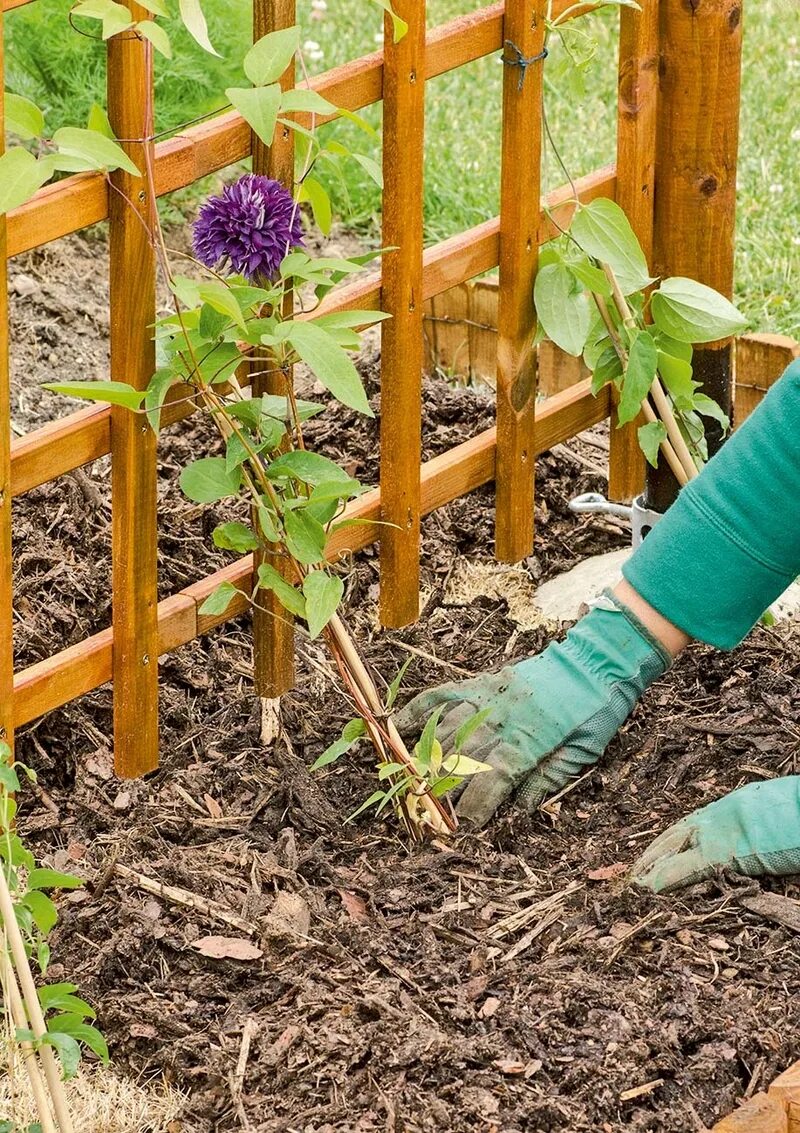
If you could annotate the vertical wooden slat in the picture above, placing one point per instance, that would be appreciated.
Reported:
(273, 632)
(520, 187)
(636, 161)
(760, 359)
(402, 345)
(6, 621)
(695, 202)
(133, 444)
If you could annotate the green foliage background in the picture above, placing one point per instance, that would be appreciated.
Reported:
(64, 73)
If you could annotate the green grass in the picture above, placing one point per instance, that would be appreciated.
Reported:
(64, 73)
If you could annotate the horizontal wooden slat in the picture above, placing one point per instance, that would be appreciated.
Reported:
(83, 667)
(84, 436)
(82, 200)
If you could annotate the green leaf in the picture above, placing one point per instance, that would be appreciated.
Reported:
(61, 997)
(323, 593)
(563, 307)
(270, 56)
(677, 376)
(592, 278)
(43, 956)
(69, 1052)
(288, 596)
(329, 363)
(99, 122)
(316, 195)
(157, 389)
(267, 524)
(354, 730)
(400, 27)
(650, 437)
(470, 726)
(221, 298)
(709, 408)
(336, 490)
(376, 796)
(52, 879)
(639, 374)
(259, 107)
(85, 1033)
(195, 23)
(347, 319)
(305, 537)
(208, 480)
(92, 146)
(218, 601)
(463, 766)
(20, 176)
(23, 117)
(608, 369)
(671, 346)
(157, 35)
(370, 167)
(303, 101)
(114, 393)
(235, 536)
(423, 749)
(9, 780)
(603, 231)
(394, 687)
(309, 467)
(336, 750)
(691, 312)
(115, 17)
(42, 909)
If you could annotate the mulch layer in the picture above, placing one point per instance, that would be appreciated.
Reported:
(508, 982)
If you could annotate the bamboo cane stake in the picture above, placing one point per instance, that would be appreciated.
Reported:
(33, 1007)
(20, 1020)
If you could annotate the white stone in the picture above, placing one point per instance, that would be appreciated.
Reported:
(560, 599)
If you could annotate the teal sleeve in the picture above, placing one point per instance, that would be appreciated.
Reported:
(730, 544)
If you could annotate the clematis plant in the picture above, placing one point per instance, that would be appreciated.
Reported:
(254, 272)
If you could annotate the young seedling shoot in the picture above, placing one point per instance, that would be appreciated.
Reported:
(49, 1020)
(259, 298)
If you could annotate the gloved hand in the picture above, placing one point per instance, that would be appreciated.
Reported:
(754, 831)
(550, 716)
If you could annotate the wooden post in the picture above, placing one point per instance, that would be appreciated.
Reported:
(636, 160)
(273, 632)
(133, 443)
(698, 144)
(401, 296)
(520, 190)
(6, 611)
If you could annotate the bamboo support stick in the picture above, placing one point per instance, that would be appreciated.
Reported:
(33, 1007)
(20, 1020)
(6, 591)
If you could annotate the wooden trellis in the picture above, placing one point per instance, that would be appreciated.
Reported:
(651, 117)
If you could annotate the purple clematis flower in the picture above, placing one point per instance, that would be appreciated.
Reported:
(251, 226)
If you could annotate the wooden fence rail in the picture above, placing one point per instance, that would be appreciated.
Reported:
(143, 628)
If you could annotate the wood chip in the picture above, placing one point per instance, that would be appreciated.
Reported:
(640, 1091)
(226, 948)
(774, 907)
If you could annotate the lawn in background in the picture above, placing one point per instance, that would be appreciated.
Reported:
(64, 73)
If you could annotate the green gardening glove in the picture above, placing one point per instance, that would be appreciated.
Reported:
(551, 716)
(754, 831)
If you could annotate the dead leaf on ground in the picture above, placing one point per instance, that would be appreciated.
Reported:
(354, 906)
(289, 916)
(226, 948)
(212, 806)
(607, 872)
(489, 1008)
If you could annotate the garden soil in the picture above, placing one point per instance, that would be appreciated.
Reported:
(508, 981)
